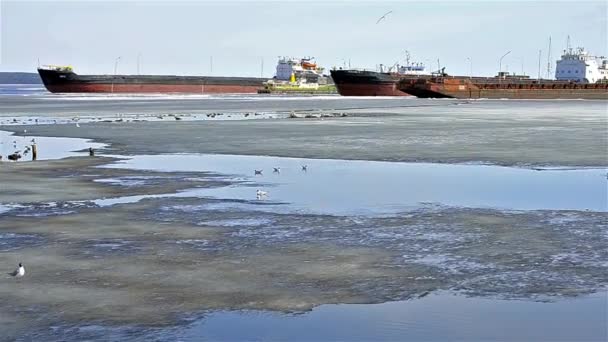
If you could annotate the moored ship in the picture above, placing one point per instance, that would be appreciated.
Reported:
(366, 83)
(62, 79)
(353, 82)
(501, 87)
(578, 76)
(298, 76)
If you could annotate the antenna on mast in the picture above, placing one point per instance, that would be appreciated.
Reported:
(262, 68)
(549, 59)
(568, 45)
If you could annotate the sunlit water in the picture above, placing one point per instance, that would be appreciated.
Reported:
(437, 317)
(47, 147)
(362, 187)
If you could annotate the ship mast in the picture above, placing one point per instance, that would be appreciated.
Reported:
(540, 52)
(549, 60)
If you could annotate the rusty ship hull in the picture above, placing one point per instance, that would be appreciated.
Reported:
(66, 81)
(495, 88)
(366, 83)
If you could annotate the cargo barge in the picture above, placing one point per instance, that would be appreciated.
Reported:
(59, 79)
(501, 87)
(578, 75)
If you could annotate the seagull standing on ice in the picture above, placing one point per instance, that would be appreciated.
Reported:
(261, 194)
(19, 272)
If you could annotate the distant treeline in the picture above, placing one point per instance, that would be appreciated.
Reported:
(19, 78)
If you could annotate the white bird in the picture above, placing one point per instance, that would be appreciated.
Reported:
(383, 16)
(19, 272)
(277, 169)
(77, 125)
(261, 193)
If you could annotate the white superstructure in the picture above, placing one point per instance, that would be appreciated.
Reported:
(578, 66)
(410, 68)
(305, 69)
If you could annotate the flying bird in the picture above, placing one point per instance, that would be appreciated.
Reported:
(305, 168)
(276, 169)
(383, 16)
(19, 272)
(257, 172)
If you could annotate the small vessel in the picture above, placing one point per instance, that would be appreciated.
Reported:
(299, 70)
(298, 76)
(63, 79)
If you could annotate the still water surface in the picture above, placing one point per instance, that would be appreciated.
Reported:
(343, 187)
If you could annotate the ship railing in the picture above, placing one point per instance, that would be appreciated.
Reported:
(66, 68)
(495, 83)
(355, 69)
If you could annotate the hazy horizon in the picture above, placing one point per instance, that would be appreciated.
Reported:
(182, 37)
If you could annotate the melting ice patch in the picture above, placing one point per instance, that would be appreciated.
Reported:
(13, 241)
(250, 222)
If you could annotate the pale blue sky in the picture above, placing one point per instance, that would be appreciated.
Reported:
(179, 37)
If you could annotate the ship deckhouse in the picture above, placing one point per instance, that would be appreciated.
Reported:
(578, 66)
(298, 68)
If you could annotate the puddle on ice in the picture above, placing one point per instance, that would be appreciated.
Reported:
(47, 147)
(369, 188)
(436, 317)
